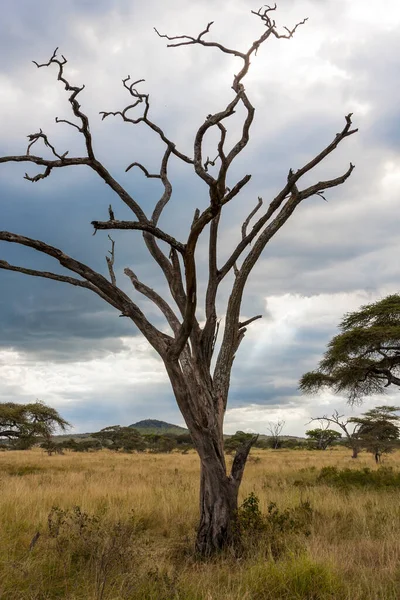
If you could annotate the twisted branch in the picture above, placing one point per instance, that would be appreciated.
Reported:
(139, 98)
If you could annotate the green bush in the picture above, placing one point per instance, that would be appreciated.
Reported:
(297, 579)
(277, 531)
(385, 477)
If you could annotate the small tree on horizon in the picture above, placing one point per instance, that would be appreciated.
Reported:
(379, 430)
(275, 429)
(348, 426)
(200, 381)
(322, 437)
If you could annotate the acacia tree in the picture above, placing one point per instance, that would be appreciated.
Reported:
(323, 437)
(364, 358)
(378, 430)
(349, 426)
(24, 424)
(200, 388)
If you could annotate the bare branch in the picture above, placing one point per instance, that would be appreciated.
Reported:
(34, 137)
(195, 217)
(240, 459)
(49, 164)
(317, 188)
(270, 23)
(72, 99)
(286, 191)
(110, 261)
(210, 331)
(156, 298)
(140, 98)
(185, 40)
(165, 198)
(99, 284)
(141, 226)
(45, 274)
(245, 323)
(211, 121)
(236, 189)
(143, 169)
(210, 162)
(69, 123)
(251, 215)
(188, 40)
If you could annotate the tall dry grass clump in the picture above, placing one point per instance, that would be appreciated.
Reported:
(109, 526)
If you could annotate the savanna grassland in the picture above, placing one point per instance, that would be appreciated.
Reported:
(132, 535)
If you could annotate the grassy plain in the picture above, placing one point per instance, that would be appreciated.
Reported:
(133, 535)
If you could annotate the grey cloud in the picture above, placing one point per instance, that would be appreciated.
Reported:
(127, 406)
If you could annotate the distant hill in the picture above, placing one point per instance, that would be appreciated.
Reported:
(155, 426)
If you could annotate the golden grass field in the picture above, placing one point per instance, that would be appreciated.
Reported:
(140, 543)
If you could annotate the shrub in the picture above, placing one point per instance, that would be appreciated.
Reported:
(88, 544)
(277, 531)
(385, 477)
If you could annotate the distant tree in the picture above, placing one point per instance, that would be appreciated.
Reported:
(184, 442)
(348, 426)
(52, 447)
(378, 430)
(86, 445)
(160, 443)
(117, 438)
(235, 441)
(275, 429)
(364, 358)
(23, 425)
(322, 437)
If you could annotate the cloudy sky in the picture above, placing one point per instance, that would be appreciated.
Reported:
(64, 345)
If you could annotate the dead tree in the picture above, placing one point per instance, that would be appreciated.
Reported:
(352, 438)
(275, 429)
(201, 391)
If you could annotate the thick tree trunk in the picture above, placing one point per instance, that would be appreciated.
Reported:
(203, 411)
(219, 497)
(218, 506)
(355, 452)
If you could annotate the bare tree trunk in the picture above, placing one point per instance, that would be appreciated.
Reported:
(219, 494)
(218, 506)
(355, 452)
(204, 411)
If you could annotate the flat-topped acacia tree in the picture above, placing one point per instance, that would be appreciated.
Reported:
(200, 384)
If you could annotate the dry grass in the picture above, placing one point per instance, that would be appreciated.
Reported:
(352, 552)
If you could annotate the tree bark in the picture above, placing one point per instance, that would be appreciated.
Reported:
(219, 496)
(203, 410)
(218, 506)
(355, 452)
